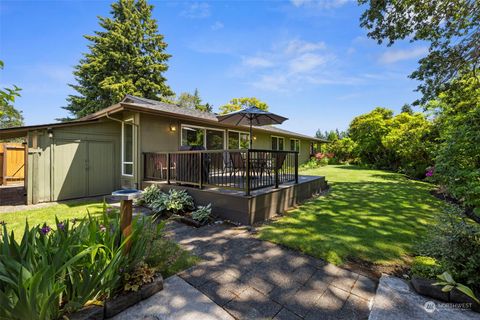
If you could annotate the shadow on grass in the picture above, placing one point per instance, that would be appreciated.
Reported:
(375, 221)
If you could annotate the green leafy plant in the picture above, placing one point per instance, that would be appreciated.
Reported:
(454, 241)
(141, 274)
(202, 214)
(149, 195)
(425, 267)
(53, 272)
(450, 284)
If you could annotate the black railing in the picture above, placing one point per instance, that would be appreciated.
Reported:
(246, 170)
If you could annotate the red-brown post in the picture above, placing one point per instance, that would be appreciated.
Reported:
(126, 222)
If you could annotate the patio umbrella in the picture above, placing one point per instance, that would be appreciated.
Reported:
(251, 116)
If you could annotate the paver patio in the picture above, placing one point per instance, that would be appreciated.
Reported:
(254, 279)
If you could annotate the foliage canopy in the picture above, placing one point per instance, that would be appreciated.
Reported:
(126, 57)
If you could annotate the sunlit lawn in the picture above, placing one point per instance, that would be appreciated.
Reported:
(372, 215)
(72, 209)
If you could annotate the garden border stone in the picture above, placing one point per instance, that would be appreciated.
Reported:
(119, 303)
(426, 288)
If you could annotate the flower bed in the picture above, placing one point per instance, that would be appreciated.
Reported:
(54, 271)
(176, 204)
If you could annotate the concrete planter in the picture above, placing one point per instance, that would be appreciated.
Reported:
(119, 303)
(426, 288)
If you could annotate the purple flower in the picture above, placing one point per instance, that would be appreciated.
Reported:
(61, 226)
(429, 172)
(45, 229)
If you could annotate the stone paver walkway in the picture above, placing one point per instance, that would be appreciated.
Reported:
(177, 301)
(254, 279)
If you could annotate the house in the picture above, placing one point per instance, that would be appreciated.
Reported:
(138, 141)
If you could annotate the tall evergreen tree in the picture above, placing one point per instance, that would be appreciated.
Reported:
(127, 57)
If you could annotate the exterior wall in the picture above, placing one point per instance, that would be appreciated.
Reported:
(40, 181)
(156, 136)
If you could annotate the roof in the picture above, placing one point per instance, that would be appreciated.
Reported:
(138, 104)
(142, 104)
(14, 132)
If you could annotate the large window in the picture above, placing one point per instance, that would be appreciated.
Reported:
(127, 149)
(193, 136)
(278, 143)
(210, 139)
(295, 145)
(238, 140)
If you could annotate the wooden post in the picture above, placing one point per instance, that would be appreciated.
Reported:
(247, 188)
(126, 222)
(5, 161)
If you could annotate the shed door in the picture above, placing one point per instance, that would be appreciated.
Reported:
(100, 168)
(69, 167)
(83, 169)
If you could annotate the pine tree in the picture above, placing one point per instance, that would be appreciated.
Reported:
(126, 57)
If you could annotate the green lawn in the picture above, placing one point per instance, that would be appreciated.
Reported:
(72, 209)
(371, 215)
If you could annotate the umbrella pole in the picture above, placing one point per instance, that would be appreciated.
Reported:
(251, 136)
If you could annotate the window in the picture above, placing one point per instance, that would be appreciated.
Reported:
(277, 143)
(295, 145)
(210, 139)
(193, 136)
(127, 149)
(238, 140)
(214, 139)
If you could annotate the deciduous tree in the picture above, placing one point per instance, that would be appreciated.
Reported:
(9, 116)
(239, 103)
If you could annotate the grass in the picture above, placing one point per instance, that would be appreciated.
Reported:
(68, 210)
(369, 215)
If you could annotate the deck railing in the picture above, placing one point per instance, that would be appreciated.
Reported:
(246, 170)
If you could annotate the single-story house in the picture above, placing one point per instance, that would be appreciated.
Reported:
(139, 140)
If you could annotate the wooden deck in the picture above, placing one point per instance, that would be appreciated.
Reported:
(260, 205)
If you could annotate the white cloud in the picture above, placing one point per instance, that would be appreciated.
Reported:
(196, 10)
(217, 26)
(321, 4)
(289, 64)
(307, 62)
(257, 62)
(299, 46)
(393, 56)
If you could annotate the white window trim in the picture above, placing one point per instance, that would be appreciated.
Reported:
(299, 148)
(237, 131)
(278, 137)
(204, 133)
(123, 149)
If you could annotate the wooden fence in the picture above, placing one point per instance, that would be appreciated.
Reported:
(12, 163)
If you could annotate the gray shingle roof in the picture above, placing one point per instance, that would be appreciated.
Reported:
(172, 108)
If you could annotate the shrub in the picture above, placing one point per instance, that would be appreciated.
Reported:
(50, 273)
(425, 267)
(173, 202)
(455, 243)
(149, 195)
(202, 214)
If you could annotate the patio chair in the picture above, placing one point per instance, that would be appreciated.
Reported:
(238, 163)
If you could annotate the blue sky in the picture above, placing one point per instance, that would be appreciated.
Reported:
(309, 60)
